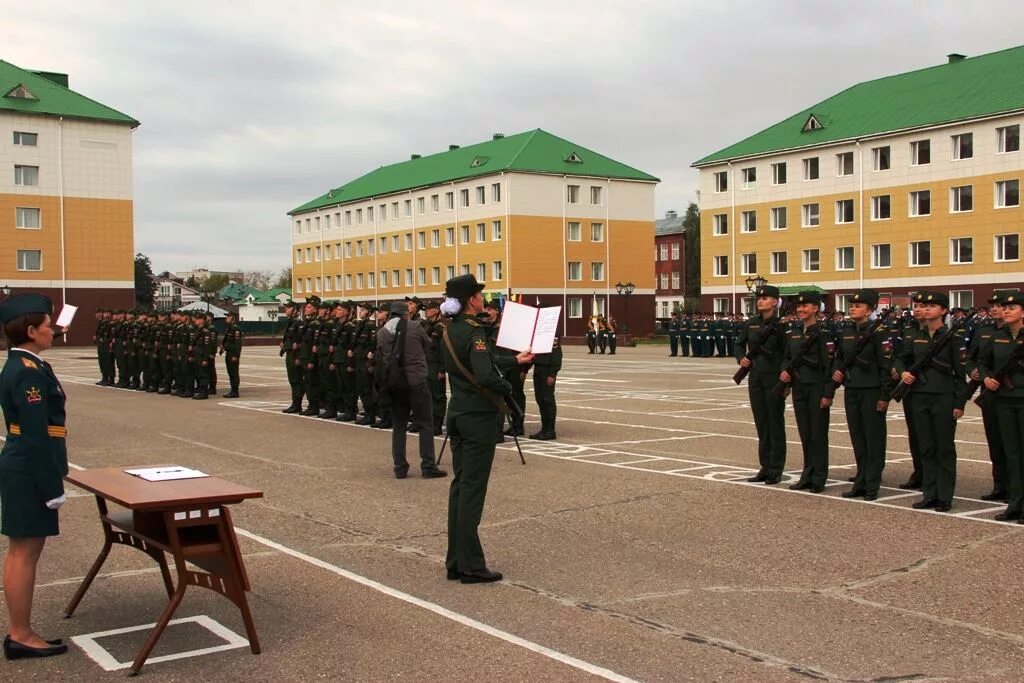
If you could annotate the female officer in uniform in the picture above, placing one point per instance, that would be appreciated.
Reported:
(478, 392)
(33, 463)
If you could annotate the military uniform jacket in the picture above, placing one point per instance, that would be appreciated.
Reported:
(33, 405)
(364, 338)
(816, 367)
(946, 372)
(343, 343)
(674, 326)
(435, 354)
(291, 332)
(981, 337)
(470, 344)
(872, 369)
(101, 332)
(323, 343)
(993, 357)
(232, 342)
(769, 362)
(551, 362)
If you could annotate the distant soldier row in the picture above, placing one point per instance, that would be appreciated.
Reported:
(703, 335)
(172, 353)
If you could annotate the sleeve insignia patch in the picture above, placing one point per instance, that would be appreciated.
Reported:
(29, 363)
(33, 395)
(479, 344)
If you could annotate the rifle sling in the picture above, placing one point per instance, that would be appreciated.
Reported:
(498, 402)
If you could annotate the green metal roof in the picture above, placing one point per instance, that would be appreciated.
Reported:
(535, 151)
(958, 90)
(236, 291)
(271, 294)
(50, 95)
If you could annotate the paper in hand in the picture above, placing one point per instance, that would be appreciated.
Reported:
(67, 314)
(517, 323)
(547, 326)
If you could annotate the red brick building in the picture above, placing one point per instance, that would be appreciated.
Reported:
(669, 264)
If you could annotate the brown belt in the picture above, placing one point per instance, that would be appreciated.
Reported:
(56, 431)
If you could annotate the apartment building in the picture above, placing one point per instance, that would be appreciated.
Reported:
(530, 213)
(902, 183)
(66, 217)
(669, 264)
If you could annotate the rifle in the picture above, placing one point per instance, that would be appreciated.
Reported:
(918, 368)
(831, 385)
(793, 369)
(756, 352)
(1002, 375)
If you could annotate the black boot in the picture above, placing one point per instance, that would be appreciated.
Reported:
(330, 413)
(312, 411)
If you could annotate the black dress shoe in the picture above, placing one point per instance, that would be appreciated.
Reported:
(15, 650)
(995, 495)
(851, 479)
(312, 411)
(434, 473)
(231, 394)
(800, 486)
(759, 477)
(453, 574)
(816, 489)
(772, 481)
(870, 496)
(412, 429)
(910, 485)
(401, 474)
(924, 504)
(200, 396)
(291, 410)
(943, 507)
(346, 417)
(543, 436)
(853, 493)
(480, 576)
(437, 431)
(1007, 516)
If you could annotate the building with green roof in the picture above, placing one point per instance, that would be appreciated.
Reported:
(901, 183)
(531, 213)
(66, 195)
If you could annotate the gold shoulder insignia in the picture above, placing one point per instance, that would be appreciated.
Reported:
(29, 363)
(472, 323)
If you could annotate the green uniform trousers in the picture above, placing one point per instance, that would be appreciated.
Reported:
(311, 382)
(545, 397)
(202, 375)
(438, 396)
(867, 433)
(769, 420)
(515, 378)
(1010, 414)
(472, 439)
(936, 430)
(812, 422)
(349, 394)
(996, 450)
(364, 388)
(232, 367)
(328, 380)
(912, 444)
(294, 376)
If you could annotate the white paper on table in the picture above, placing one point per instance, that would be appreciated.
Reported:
(169, 473)
(517, 324)
(67, 314)
(547, 327)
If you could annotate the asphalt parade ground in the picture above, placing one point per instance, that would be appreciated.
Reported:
(632, 547)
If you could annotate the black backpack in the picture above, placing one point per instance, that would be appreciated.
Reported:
(395, 380)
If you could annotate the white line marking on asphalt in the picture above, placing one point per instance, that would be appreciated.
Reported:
(443, 611)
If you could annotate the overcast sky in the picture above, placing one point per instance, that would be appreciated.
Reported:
(250, 109)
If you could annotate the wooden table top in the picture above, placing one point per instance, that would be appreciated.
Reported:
(135, 493)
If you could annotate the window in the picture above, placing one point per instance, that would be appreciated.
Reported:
(778, 218)
(298, 227)
(961, 250)
(316, 253)
(811, 215)
(464, 234)
(382, 211)
(1007, 139)
(421, 239)
(961, 199)
(481, 232)
(573, 194)
(921, 253)
(464, 198)
(780, 262)
(844, 164)
(574, 232)
(370, 245)
(435, 203)
(597, 271)
(25, 139)
(449, 201)
(1007, 247)
(595, 195)
(844, 258)
(721, 304)
(675, 279)
(30, 259)
(721, 226)
(921, 203)
(421, 205)
(408, 278)
(359, 249)
(481, 272)
(309, 284)
(298, 285)
(663, 281)
(408, 207)
(721, 181)
(449, 272)
(721, 266)
(309, 255)
(920, 152)
(394, 210)
(575, 270)
(337, 282)
(435, 238)
(394, 242)
(811, 171)
(384, 278)
(1007, 193)
(963, 146)
(675, 251)
(337, 250)
(496, 192)
(575, 307)
(298, 256)
(26, 176)
(748, 222)
(370, 281)
(359, 280)
(496, 231)
(369, 214)
(449, 236)
(348, 281)
(844, 211)
(27, 218)
(408, 241)
(481, 194)
(348, 218)
(496, 270)
(383, 245)
(812, 260)
(881, 208)
(749, 178)
(880, 158)
(961, 298)
(435, 275)
(359, 217)
(779, 173)
(748, 264)
(348, 250)
(663, 250)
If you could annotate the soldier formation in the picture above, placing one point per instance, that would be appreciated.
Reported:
(703, 335)
(932, 359)
(171, 353)
(601, 334)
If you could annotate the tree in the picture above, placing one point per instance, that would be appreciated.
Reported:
(691, 240)
(284, 280)
(215, 283)
(145, 284)
(260, 279)
(192, 283)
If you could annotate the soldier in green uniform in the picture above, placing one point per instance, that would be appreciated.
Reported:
(867, 387)
(939, 397)
(33, 463)
(546, 367)
(981, 336)
(611, 330)
(813, 345)
(231, 347)
(165, 351)
(306, 355)
(330, 373)
(182, 338)
(477, 397)
(721, 332)
(908, 327)
(364, 341)
(325, 345)
(289, 350)
(998, 355)
(685, 334)
(673, 335)
(436, 380)
(382, 399)
(707, 336)
(199, 352)
(119, 347)
(102, 351)
(154, 376)
(344, 362)
(211, 355)
(593, 327)
(768, 408)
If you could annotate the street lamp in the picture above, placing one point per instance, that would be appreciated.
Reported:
(6, 289)
(754, 283)
(625, 290)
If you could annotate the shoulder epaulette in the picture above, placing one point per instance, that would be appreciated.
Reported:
(29, 363)
(472, 323)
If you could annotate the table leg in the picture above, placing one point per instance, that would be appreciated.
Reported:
(95, 569)
(158, 630)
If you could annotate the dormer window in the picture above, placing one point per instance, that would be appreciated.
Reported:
(478, 161)
(573, 158)
(812, 124)
(21, 92)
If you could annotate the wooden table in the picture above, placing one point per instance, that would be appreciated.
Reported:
(187, 518)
